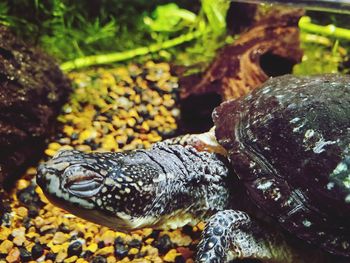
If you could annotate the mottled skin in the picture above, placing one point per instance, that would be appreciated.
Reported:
(288, 144)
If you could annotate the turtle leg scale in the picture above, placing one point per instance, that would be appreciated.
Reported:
(232, 234)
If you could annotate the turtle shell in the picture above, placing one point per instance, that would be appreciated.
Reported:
(289, 144)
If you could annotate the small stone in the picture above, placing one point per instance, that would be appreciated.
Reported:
(201, 226)
(25, 255)
(13, 256)
(51, 256)
(81, 260)
(4, 232)
(37, 251)
(75, 248)
(185, 252)
(19, 240)
(60, 238)
(108, 237)
(171, 255)
(71, 259)
(105, 251)
(180, 259)
(22, 211)
(120, 251)
(61, 256)
(6, 246)
(133, 251)
(54, 146)
(99, 259)
(50, 152)
(111, 259)
(164, 244)
(92, 247)
(135, 243)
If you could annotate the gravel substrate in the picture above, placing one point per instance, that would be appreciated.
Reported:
(110, 110)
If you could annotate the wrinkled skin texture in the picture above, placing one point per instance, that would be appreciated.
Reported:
(289, 144)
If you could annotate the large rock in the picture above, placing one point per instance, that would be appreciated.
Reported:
(269, 48)
(32, 91)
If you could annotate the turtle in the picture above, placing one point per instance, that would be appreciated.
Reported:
(275, 158)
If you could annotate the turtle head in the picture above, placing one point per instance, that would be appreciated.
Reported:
(113, 189)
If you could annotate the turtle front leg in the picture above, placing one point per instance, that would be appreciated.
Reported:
(232, 234)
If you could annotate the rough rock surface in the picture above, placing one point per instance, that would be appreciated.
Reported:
(32, 91)
(269, 48)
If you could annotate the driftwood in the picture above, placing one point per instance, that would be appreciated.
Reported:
(270, 47)
(32, 91)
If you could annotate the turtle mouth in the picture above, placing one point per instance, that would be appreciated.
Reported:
(82, 182)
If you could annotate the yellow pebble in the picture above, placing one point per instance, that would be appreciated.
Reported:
(61, 256)
(133, 251)
(81, 260)
(171, 255)
(92, 247)
(111, 259)
(22, 211)
(13, 256)
(131, 122)
(68, 130)
(201, 226)
(19, 240)
(6, 246)
(108, 237)
(105, 251)
(71, 259)
(4, 232)
(50, 152)
(54, 146)
(149, 241)
(60, 238)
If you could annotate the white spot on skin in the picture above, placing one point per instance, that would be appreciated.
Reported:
(319, 146)
(347, 199)
(295, 120)
(309, 133)
(330, 186)
(307, 223)
(104, 189)
(265, 185)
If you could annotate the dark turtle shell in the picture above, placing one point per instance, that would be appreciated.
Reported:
(289, 143)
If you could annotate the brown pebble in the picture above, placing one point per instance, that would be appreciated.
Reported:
(14, 255)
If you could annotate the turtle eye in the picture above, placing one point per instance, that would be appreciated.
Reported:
(82, 182)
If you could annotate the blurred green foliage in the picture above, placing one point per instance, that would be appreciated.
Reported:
(71, 29)
(191, 31)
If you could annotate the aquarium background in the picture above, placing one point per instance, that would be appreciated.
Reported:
(121, 56)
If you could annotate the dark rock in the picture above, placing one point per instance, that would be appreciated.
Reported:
(180, 259)
(164, 244)
(30, 199)
(37, 251)
(99, 259)
(25, 255)
(51, 256)
(135, 243)
(75, 249)
(5, 208)
(86, 254)
(32, 91)
(120, 250)
(269, 48)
